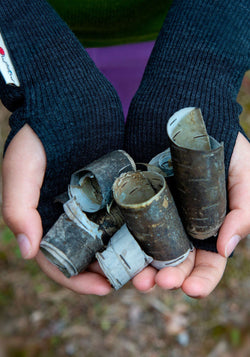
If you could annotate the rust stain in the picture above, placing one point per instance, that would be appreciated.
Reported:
(165, 202)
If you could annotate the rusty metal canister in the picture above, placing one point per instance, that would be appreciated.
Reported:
(103, 223)
(151, 216)
(163, 161)
(199, 174)
(71, 244)
(92, 185)
(123, 258)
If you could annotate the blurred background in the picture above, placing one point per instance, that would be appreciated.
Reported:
(38, 318)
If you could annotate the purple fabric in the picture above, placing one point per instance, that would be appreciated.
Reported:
(123, 66)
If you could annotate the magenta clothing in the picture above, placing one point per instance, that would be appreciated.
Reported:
(123, 66)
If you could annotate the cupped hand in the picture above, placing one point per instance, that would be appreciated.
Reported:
(24, 166)
(23, 171)
(200, 273)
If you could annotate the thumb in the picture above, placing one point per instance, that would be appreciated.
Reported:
(236, 225)
(23, 171)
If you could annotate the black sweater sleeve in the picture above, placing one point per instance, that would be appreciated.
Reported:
(199, 60)
(63, 97)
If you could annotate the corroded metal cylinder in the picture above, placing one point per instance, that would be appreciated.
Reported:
(92, 185)
(69, 247)
(123, 258)
(163, 161)
(151, 216)
(199, 174)
(101, 224)
(163, 164)
(71, 244)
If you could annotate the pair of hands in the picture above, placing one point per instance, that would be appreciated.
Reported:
(77, 116)
(23, 171)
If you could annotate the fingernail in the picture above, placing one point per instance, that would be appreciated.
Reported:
(231, 245)
(24, 245)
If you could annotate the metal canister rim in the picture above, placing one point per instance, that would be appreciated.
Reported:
(145, 203)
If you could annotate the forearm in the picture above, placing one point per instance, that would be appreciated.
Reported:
(199, 59)
(68, 103)
(211, 46)
(39, 42)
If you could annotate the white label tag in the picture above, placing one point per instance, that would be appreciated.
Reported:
(6, 67)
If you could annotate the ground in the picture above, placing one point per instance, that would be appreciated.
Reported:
(40, 319)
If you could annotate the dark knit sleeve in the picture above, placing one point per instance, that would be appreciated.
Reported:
(63, 97)
(199, 59)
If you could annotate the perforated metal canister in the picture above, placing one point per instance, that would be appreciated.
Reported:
(92, 186)
(151, 216)
(199, 174)
(123, 258)
(71, 244)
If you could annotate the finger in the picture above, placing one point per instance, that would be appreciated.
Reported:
(173, 277)
(84, 283)
(23, 171)
(208, 271)
(145, 280)
(95, 268)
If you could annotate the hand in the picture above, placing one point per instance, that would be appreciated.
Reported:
(24, 167)
(199, 274)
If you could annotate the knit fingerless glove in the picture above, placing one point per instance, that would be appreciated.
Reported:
(64, 98)
(199, 60)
